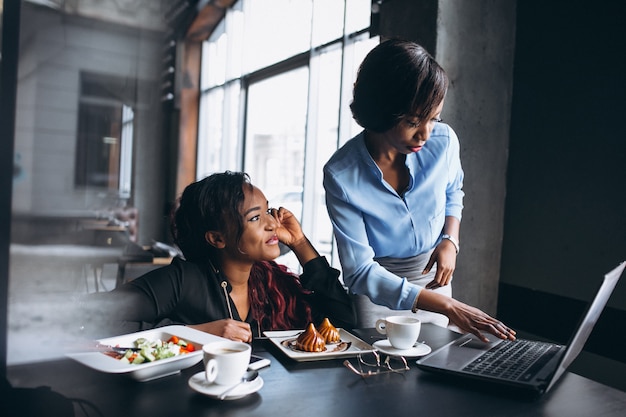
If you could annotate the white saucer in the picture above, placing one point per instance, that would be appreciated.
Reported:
(198, 383)
(420, 350)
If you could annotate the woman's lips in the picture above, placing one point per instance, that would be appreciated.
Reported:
(273, 240)
(415, 148)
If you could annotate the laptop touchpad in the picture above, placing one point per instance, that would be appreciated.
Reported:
(475, 344)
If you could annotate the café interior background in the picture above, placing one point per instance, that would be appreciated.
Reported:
(120, 104)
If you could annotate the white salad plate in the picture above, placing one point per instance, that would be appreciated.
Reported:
(147, 370)
(420, 349)
(349, 346)
(199, 384)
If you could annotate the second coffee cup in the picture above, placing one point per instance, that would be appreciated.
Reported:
(225, 362)
(402, 331)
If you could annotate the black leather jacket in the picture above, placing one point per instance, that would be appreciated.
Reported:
(191, 293)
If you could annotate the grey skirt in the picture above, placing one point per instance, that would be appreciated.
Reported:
(411, 268)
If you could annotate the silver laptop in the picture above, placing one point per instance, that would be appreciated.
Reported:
(527, 364)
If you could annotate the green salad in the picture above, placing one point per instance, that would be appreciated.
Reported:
(153, 350)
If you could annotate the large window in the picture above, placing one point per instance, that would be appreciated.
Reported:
(276, 83)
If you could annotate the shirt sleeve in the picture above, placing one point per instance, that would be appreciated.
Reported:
(328, 298)
(454, 189)
(362, 274)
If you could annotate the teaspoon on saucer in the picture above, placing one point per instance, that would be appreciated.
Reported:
(247, 377)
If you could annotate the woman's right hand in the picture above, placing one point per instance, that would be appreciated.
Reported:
(467, 318)
(473, 320)
(289, 230)
(227, 328)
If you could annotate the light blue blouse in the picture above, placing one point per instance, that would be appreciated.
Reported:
(370, 220)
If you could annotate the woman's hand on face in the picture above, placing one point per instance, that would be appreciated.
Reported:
(289, 230)
(445, 257)
(473, 320)
(228, 328)
(290, 233)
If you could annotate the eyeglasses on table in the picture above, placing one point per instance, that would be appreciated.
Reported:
(373, 363)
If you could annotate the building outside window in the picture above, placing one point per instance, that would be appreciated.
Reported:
(104, 136)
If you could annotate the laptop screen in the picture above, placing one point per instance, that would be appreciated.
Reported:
(575, 346)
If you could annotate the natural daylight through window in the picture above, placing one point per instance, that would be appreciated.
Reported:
(276, 83)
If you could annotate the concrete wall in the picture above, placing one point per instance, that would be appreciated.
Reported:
(475, 44)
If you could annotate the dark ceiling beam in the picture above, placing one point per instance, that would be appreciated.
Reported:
(207, 19)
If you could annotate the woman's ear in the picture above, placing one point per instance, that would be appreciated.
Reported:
(215, 239)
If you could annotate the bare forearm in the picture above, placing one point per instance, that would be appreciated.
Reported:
(432, 301)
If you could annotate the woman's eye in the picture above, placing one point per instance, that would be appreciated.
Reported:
(412, 124)
(436, 120)
(269, 211)
(254, 218)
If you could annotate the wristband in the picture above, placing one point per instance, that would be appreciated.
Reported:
(454, 242)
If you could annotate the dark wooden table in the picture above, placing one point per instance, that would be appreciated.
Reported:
(323, 388)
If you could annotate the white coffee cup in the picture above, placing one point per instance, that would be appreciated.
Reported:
(226, 361)
(402, 331)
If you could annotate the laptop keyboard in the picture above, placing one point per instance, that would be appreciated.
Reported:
(513, 360)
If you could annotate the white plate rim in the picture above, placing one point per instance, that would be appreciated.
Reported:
(357, 346)
(252, 387)
(103, 363)
(384, 346)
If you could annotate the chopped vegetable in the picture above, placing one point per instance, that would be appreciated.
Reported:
(150, 351)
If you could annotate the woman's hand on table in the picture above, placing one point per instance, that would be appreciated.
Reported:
(227, 328)
(473, 320)
(467, 318)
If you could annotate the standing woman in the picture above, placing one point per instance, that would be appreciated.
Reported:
(229, 284)
(394, 193)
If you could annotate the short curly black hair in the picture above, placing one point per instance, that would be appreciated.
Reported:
(397, 78)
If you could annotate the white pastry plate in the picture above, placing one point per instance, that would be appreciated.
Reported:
(199, 384)
(148, 370)
(420, 349)
(349, 346)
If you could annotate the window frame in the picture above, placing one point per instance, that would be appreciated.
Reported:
(346, 127)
